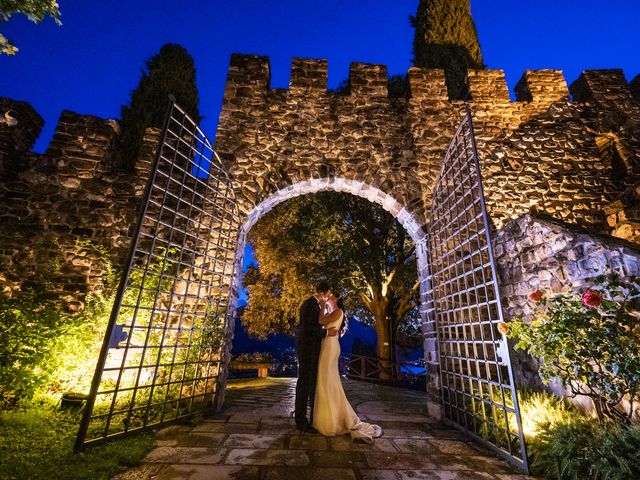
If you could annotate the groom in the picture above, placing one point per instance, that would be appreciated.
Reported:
(308, 340)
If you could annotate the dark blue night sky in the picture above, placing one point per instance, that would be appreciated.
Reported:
(91, 63)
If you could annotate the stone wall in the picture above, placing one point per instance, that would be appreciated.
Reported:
(538, 154)
(534, 253)
(60, 208)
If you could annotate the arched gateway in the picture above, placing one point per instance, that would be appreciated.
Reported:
(167, 346)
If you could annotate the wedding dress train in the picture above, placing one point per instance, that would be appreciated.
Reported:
(333, 414)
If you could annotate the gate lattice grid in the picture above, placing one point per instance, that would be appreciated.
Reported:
(478, 390)
(164, 355)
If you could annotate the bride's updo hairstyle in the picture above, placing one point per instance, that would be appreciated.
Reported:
(344, 326)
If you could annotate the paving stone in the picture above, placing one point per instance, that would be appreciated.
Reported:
(202, 439)
(226, 428)
(453, 446)
(261, 443)
(442, 475)
(308, 442)
(399, 461)
(250, 456)
(309, 473)
(402, 433)
(338, 459)
(209, 472)
(244, 418)
(415, 445)
(143, 472)
(345, 443)
(185, 455)
(378, 474)
(244, 440)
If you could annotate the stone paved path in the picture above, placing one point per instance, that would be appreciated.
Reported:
(255, 438)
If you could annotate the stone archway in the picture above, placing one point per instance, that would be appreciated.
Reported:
(195, 226)
(410, 222)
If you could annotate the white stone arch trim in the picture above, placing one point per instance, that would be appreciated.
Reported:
(412, 224)
(408, 220)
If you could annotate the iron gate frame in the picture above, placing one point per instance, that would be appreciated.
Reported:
(472, 359)
(185, 148)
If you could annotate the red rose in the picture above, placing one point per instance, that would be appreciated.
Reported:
(591, 298)
(503, 328)
(535, 296)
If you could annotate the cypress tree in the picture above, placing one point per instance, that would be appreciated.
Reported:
(170, 71)
(446, 37)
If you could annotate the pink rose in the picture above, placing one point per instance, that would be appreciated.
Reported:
(535, 296)
(503, 328)
(592, 299)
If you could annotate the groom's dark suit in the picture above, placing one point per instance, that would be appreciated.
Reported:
(308, 341)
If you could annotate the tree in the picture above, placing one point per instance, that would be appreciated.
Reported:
(446, 37)
(170, 71)
(361, 249)
(35, 10)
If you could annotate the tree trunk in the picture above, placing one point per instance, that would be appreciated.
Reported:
(383, 348)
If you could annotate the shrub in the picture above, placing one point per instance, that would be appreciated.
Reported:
(590, 342)
(581, 448)
(29, 327)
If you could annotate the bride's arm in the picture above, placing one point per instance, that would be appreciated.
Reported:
(327, 319)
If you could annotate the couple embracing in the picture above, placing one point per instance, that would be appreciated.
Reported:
(319, 386)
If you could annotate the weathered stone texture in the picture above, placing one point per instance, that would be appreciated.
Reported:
(541, 153)
(56, 208)
(537, 154)
(533, 254)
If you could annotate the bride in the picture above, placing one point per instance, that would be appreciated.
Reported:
(333, 415)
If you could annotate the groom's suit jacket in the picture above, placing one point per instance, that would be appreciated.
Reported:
(310, 333)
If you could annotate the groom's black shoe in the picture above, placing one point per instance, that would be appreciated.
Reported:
(308, 428)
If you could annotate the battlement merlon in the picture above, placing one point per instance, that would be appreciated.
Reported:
(427, 84)
(487, 86)
(18, 139)
(367, 79)
(602, 87)
(308, 76)
(634, 85)
(542, 86)
(249, 76)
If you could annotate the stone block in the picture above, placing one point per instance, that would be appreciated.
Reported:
(542, 86)
(368, 80)
(601, 86)
(308, 76)
(249, 76)
(427, 84)
(487, 86)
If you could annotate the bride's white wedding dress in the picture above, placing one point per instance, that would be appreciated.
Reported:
(332, 413)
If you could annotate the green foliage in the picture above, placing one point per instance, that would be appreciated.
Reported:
(35, 10)
(43, 350)
(38, 444)
(446, 37)
(355, 244)
(595, 351)
(29, 327)
(170, 71)
(257, 357)
(584, 449)
(565, 444)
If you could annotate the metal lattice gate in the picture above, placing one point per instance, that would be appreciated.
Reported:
(165, 351)
(478, 391)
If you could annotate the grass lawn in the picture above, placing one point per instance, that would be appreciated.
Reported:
(37, 443)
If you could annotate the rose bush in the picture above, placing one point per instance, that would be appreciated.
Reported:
(590, 342)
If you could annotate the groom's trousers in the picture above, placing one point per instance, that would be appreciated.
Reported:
(305, 389)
